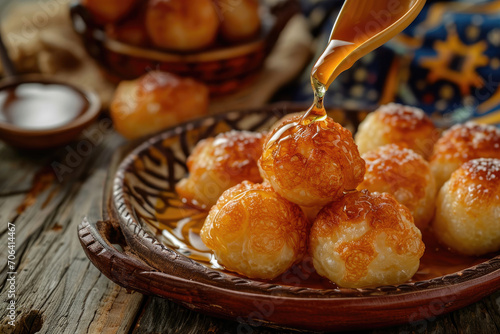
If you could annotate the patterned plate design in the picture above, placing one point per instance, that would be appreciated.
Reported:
(163, 231)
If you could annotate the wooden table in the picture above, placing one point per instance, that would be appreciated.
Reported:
(58, 290)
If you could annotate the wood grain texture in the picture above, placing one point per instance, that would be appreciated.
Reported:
(56, 284)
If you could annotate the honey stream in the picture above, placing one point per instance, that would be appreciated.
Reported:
(353, 37)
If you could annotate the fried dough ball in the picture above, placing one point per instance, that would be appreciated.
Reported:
(182, 25)
(404, 174)
(217, 164)
(311, 164)
(255, 232)
(468, 208)
(461, 143)
(397, 124)
(109, 11)
(241, 21)
(156, 101)
(366, 240)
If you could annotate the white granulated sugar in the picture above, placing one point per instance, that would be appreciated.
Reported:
(480, 133)
(481, 169)
(406, 111)
(392, 154)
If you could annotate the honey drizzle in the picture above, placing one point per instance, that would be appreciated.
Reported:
(360, 27)
(322, 76)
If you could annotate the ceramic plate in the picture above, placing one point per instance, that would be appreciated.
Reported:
(163, 233)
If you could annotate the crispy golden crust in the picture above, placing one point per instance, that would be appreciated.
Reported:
(461, 143)
(312, 164)
(478, 180)
(155, 101)
(255, 232)
(240, 21)
(182, 25)
(404, 174)
(397, 124)
(219, 163)
(366, 240)
(468, 208)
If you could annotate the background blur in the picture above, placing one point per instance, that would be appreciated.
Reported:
(447, 62)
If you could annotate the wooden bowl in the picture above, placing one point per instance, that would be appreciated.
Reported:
(144, 215)
(224, 68)
(47, 138)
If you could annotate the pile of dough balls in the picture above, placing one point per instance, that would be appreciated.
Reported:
(463, 163)
(359, 216)
(177, 25)
(261, 230)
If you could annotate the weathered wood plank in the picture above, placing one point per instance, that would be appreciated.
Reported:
(474, 319)
(116, 312)
(35, 209)
(8, 209)
(18, 167)
(493, 306)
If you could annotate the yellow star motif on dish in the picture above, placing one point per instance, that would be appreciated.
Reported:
(472, 58)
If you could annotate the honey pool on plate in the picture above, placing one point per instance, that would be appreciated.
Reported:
(178, 227)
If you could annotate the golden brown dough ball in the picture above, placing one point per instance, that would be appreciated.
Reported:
(404, 174)
(397, 124)
(461, 143)
(468, 208)
(217, 164)
(240, 19)
(156, 101)
(255, 232)
(182, 25)
(109, 11)
(366, 240)
(311, 164)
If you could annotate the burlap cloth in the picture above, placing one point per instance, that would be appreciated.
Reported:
(40, 39)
